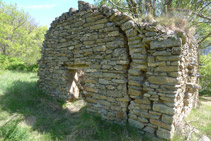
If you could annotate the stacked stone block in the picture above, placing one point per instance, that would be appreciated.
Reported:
(133, 72)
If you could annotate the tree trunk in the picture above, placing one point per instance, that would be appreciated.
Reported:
(154, 8)
(148, 5)
(4, 51)
(133, 7)
(167, 6)
(140, 7)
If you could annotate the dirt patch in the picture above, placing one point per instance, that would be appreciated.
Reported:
(75, 106)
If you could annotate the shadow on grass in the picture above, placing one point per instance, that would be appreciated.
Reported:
(28, 100)
(205, 92)
(47, 115)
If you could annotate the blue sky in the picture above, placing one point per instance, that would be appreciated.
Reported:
(45, 11)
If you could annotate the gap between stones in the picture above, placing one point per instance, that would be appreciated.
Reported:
(128, 66)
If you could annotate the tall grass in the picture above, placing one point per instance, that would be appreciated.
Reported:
(26, 113)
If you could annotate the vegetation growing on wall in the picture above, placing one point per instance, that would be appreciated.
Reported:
(195, 12)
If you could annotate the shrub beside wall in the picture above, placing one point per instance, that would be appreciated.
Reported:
(14, 63)
(205, 71)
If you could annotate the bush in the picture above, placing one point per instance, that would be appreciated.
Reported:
(13, 63)
(205, 71)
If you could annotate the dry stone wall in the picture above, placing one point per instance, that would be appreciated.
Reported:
(133, 72)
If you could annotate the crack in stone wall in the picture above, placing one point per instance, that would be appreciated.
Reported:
(128, 67)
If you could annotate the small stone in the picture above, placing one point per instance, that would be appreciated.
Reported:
(144, 120)
(160, 124)
(164, 53)
(163, 109)
(123, 99)
(167, 69)
(97, 26)
(134, 92)
(167, 58)
(128, 25)
(91, 100)
(103, 81)
(99, 48)
(176, 50)
(106, 103)
(162, 80)
(163, 133)
(167, 119)
(170, 42)
(142, 101)
(89, 89)
(114, 33)
(144, 106)
(135, 123)
(149, 129)
(131, 32)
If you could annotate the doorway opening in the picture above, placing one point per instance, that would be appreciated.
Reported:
(75, 84)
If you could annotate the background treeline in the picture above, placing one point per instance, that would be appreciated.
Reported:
(192, 16)
(20, 38)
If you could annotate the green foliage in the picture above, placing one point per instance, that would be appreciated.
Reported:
(14, 63)
(19, 35)
(205, 71)
(195, 12)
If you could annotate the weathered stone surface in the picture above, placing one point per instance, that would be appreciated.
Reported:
(162, 80)
(136, 123)
(103, 81)
(134, 92)
(167, 69)
(142, 101)
(123, 99)
(155, 64)
(166, 43)
(167, 58)
(144, 120)
(91, 100)
(167, 119)
(160, 124)
(149, 129)
(163, 133)
(128, 25)
(89, 89)
(163, 109)
(144, 106)
(164, 53)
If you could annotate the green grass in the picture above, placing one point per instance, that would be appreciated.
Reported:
(199, 119)
(27, 114)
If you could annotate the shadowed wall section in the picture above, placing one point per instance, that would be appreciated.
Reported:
(132, 72)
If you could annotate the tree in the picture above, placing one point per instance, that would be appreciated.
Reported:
(196, 11)
(19, 34)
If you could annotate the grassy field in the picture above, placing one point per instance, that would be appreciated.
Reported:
(200, 118)
(27, 114)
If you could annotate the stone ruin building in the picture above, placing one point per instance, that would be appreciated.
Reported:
(132, 72)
